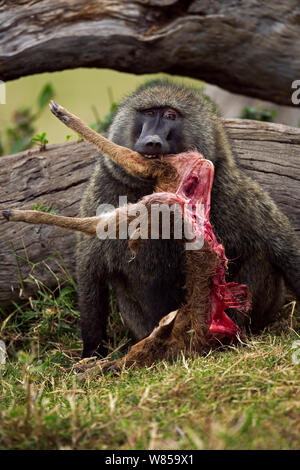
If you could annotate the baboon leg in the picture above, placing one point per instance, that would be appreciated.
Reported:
(267, 290)
(132, 314)
(93, 319)
(94, 307)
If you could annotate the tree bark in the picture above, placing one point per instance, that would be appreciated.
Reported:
(269, 153)
(247, 47)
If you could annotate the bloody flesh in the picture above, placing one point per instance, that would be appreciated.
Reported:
(194, 195)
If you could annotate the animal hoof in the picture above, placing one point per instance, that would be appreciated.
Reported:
(6, 214)
(58, 111)
(54, 107)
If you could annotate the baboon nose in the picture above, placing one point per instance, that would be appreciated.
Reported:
(153, 144)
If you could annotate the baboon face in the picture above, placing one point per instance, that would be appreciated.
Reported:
(166, 119)
(158, 131)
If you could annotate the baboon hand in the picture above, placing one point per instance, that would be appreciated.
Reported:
(94, 370)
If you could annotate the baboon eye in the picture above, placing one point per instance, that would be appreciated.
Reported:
(170, 114)
(149, 112)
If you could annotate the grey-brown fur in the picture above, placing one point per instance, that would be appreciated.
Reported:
(257, 237)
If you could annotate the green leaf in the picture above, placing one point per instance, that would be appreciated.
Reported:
(45, 96)
(18, 145)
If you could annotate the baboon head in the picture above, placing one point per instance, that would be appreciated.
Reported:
(165, 118)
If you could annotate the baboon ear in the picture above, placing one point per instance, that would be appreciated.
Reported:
(165, 326)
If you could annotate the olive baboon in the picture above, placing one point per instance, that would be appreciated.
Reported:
(164, 172)
(258, 239)
(183, 182)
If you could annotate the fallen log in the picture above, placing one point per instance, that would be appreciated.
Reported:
(245, 47)
(57, 177)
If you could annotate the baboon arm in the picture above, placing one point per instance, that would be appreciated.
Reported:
(131, 161)
(86, 225)
(286, 256)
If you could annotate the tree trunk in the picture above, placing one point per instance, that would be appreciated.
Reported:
(57, 177)
(247, 47)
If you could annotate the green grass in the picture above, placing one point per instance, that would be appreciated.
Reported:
(44, 208)
(244, 397)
